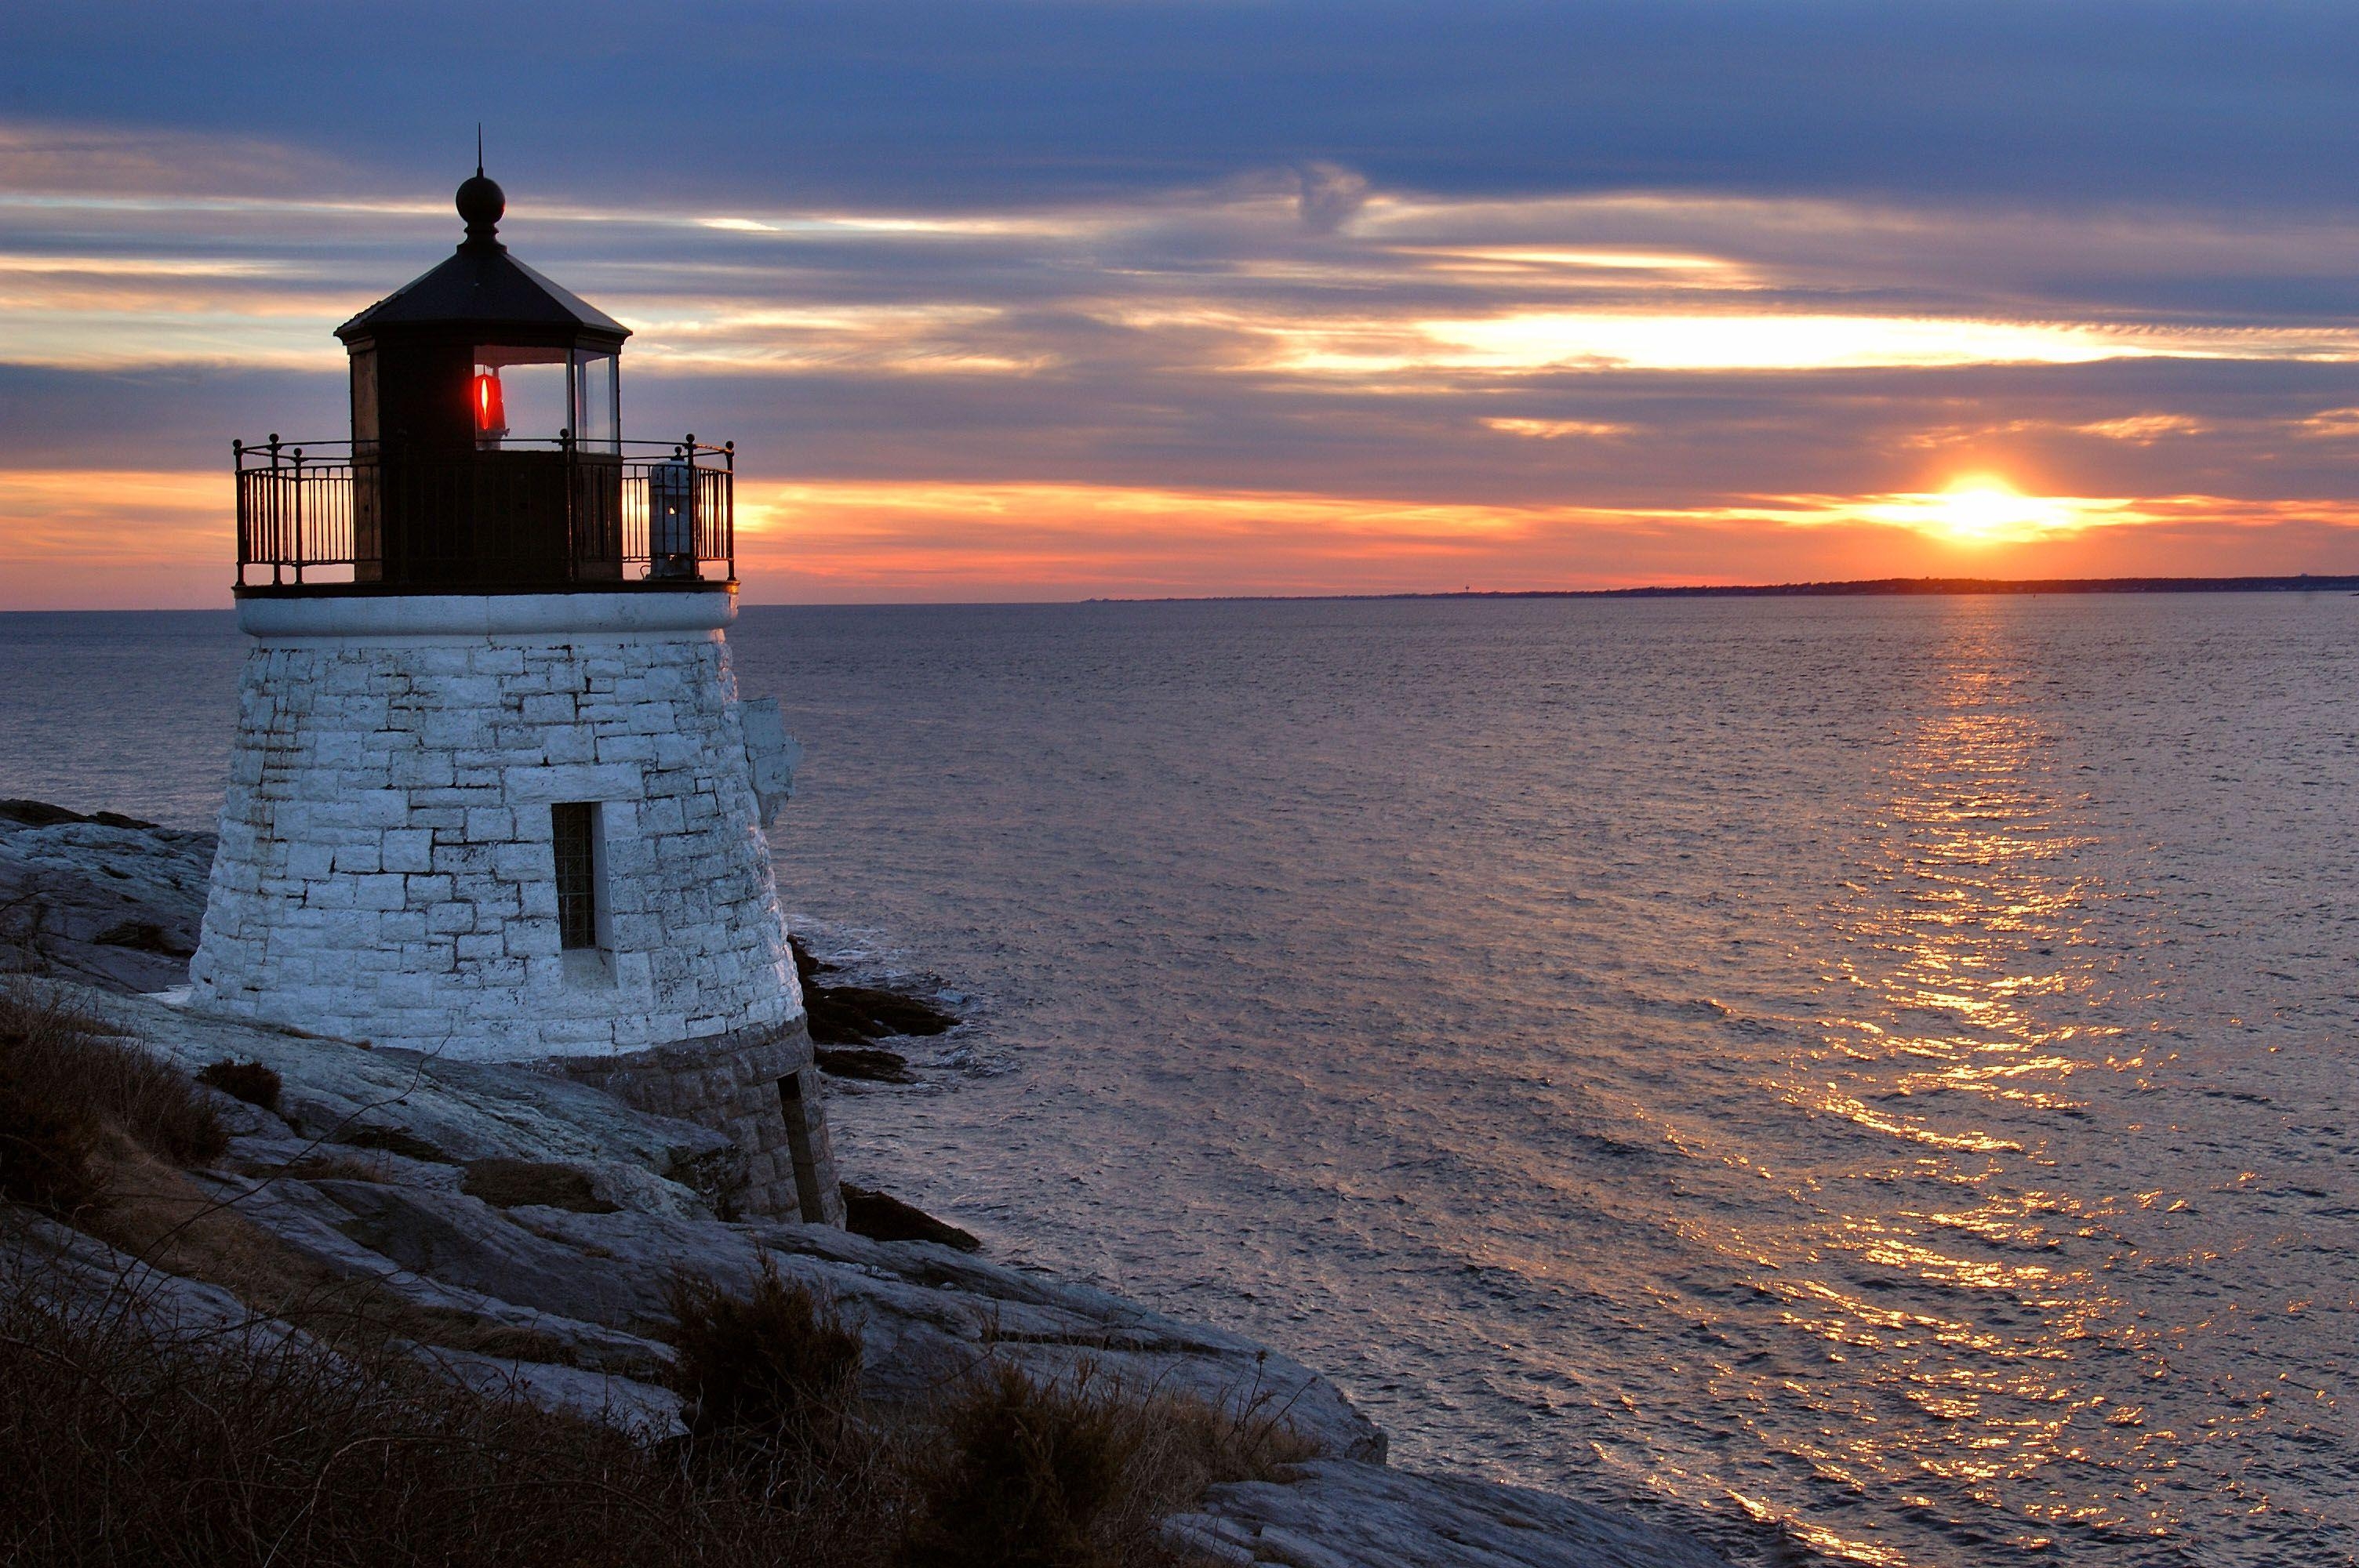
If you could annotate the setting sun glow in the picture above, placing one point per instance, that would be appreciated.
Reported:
(1983, 509)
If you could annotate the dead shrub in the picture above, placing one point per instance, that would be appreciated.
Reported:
(49, 1157)
(68, 1086)
(249, 1081)
(777, 1366)
(1029, 1475)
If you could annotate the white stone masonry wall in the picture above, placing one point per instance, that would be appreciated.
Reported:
(385, 869)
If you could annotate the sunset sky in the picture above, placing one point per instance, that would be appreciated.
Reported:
(1019, 301)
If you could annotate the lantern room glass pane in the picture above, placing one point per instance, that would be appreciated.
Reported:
(518, 398)
(597, 402)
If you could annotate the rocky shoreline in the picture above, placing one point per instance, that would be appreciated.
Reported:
(534, 1227)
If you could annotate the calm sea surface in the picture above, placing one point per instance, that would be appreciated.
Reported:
(1872, 1076)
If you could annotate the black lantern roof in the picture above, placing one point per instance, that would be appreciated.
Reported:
(486, 290)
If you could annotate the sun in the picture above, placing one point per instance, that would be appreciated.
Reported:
(1984, 509)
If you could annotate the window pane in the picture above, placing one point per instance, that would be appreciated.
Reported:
(571, 833)
(597, 422)
(518, 396)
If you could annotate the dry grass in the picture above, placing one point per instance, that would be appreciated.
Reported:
(1030, 1474)
(72, 1096)
(775, 1368)
(1078, 1472)
(119, 1450)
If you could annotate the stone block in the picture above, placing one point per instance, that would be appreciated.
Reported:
(639, 749)
(428, 889)
(568, 744)
(305, 861)
(490, 825)
(419, 769)
(385, 892)
(401, 925)
(465, 859)
(543, 786)
(409, 849)
(450, 919)
(379, 807)
(335, 893)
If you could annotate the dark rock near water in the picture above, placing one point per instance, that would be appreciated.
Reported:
(865, 1063)
(874, 1013)
(860, 1016)
(41, 814)
(881, 1217)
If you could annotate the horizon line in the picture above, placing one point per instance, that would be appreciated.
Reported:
(1863, 587)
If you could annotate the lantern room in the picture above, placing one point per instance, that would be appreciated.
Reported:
(487, 452)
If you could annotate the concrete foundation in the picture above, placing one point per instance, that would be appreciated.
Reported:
(765, 1095)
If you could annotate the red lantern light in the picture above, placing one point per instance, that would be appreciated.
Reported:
(491, 406)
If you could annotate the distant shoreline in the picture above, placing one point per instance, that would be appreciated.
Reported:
(1884, 587)
(1863, 587)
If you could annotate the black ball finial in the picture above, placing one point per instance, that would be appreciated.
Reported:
(481, 203)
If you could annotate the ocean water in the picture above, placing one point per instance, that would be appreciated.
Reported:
(1862, 1079)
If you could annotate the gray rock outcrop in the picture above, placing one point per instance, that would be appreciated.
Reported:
(1335, 1514)
(106, 900)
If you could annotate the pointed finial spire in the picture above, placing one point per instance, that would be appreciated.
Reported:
(481, 203)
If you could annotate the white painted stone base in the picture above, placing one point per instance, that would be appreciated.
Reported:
(386, 870)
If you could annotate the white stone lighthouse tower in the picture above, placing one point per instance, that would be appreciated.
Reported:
(495, 795)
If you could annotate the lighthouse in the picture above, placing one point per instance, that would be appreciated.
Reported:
(495, 795)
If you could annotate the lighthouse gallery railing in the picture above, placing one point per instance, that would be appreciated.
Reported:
(526, 514)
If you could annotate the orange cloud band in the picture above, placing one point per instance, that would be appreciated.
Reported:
(140, 538)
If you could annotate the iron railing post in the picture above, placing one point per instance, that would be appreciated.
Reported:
(695, 543)
(300, 541)
(729, 503)
(278, 545)
(565, 449)
(237, 480)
